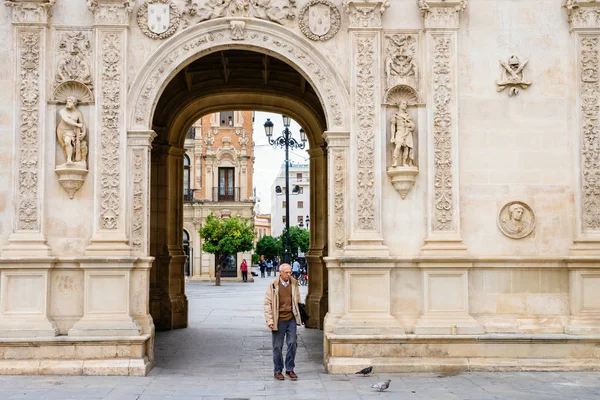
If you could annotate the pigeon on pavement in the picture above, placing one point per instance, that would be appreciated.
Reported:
(381, 386)
(365, 371)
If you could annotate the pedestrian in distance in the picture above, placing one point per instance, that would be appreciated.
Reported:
(262, 265)
(283, 316)
(296, 269)
(275, 267)
(244, 269)
(269, 267)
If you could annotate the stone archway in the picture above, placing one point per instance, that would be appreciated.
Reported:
(168, 303)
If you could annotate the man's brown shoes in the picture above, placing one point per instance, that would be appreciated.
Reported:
(278, 376)
(292, 375)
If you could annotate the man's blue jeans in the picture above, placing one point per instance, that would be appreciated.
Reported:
(287, 329)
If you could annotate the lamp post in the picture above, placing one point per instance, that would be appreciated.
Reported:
(285, 141)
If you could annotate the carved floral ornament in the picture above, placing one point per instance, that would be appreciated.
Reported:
(583, 13)
(278, 11)
(441, 13)
(158, 19)
(111, 12)
(319, 20)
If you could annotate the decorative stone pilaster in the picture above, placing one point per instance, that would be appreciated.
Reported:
(338, 145)
(441, 20)
(585, 28)
(445, 286)
(584, 275)
(29, 19)
(110, 28)
(139, 144)
(365, 151)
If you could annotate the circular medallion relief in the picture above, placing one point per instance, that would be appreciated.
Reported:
(516, 220)
(319, 20)
(158, 19)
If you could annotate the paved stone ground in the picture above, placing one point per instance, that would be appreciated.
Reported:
(226, 354)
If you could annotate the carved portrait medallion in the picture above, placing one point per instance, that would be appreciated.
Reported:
(319, 20)
(516, 220)
(158, 19)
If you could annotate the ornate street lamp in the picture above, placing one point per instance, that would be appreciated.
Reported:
(286, 141)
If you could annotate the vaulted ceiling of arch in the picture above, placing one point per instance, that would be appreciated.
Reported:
(236, 71)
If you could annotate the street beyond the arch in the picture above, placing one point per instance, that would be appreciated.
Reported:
(225, 353)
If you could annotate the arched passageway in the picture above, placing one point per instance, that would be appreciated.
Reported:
(223, 80)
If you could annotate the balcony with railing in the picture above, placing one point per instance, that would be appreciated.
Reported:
(218, 194)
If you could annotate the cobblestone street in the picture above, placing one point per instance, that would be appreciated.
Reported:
(226, 354)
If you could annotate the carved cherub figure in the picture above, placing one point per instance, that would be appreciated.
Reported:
(402, 127)
(71, 131)
(512, 76)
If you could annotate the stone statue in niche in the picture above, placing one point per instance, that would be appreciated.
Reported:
(516, 220)
(402, 132)
(512, 76)
(71, 133)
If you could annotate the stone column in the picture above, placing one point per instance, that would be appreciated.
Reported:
(24, 285)
(316, 299)
(30, 26)
(441, 20)
(366, 153)
(445, 285)
(585, 252)
(111, 21)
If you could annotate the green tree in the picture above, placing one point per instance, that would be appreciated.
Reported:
(224, 237)
(268, 246)
(255, 258)
(299, 238)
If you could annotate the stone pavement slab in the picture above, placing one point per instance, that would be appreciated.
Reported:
(225, 353)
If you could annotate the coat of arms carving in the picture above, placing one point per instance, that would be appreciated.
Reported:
(319, 20)
(158, 19)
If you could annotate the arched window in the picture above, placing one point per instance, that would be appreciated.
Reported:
(186, 177)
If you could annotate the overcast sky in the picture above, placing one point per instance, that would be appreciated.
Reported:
(268, 160)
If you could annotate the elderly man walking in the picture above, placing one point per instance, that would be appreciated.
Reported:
(282, 315)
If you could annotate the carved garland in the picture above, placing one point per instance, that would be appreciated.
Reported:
(277, 11)
(334, 18)
(338, 205)
(29, 97)
(590, 169)
(110, 143)
(138, 200)
(143, 105)
(174, 19)
(442, 134)
(365, 111)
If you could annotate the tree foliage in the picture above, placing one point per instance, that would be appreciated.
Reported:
(224, 237)
(299, 238)
(268, 246)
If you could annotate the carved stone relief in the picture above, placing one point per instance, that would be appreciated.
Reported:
(365, 13)
(31, 12)
(516, 220)
(300, 57)
(339, 168)
(158, 19)
(278, 11)
(74, 59)
(107, 12)
(365, 111)
(400, 60)
(319, 20)
(442, 132)
(137, 234)
(445, 14)
(238, 30)
(29, 155)
(110, 175)
(512, 77)
(589, 93)
(582, 13)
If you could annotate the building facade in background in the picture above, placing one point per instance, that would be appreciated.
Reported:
(217, 179)
(262, 226)
(299, 198)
